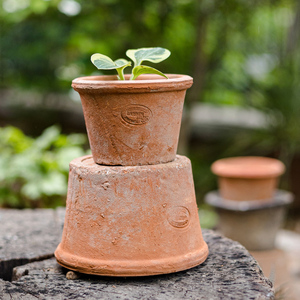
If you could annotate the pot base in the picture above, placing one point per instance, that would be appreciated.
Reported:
(130, 268)
(131, 221)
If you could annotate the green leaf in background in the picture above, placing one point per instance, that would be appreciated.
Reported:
(35, 171)
(48, 137)
(208, 218)
(139, 70)
(154, 55)
(13, 139)
(67, 154)
(49, 184)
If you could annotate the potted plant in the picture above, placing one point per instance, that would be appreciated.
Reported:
(133, 119)
(131, 206)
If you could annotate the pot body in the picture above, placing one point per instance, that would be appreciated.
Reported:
(248, 178)
(245, 189)
(131, 221)
(133, 122)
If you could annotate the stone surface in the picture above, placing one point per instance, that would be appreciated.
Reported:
(9, 291)
(28, 235)
(228, 273)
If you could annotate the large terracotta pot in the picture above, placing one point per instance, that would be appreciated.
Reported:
(131, 221)
(248, 178)
(133, 122)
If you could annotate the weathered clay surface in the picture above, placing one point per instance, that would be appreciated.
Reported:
(133, 122)
(230, 272)
(131, 221)
(27, 235)
(248, 178)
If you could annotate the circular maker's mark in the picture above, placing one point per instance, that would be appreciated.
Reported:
(136, 114)
(179, 216)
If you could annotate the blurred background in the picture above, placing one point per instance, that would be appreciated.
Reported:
(243, 55)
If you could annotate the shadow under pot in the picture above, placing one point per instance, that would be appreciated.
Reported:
(248, 178)
(133, 122)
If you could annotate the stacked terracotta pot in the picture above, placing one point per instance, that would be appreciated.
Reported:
(250, 207)
(131, 208)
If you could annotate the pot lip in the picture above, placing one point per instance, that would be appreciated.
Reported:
(248, 167)
(87, 161)
(144, 83)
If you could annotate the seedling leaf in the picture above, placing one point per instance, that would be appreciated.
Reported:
(103, 62)
(139, 70)
(154, 55)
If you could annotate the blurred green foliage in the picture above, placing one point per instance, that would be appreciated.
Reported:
(239, 52)
(45, 44)
(208, 217)
(34, 172)
(236, 50)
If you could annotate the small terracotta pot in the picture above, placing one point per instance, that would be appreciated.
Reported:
(131, 221)
(133, 122)
(248, 178)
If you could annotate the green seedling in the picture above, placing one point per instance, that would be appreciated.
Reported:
(154, 55)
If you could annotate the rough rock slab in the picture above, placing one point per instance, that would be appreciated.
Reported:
(28, 235)
(230, 272)
(9, 291)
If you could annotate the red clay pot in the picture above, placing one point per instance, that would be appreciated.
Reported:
(133, 122)
(131, 221)
(248, 178)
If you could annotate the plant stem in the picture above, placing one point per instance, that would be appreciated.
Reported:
(120, 73)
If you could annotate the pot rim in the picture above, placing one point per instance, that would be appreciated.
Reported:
(251, 167)
(144, 83)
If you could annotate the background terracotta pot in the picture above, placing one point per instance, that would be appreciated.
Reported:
(133, 122)
(248, 178)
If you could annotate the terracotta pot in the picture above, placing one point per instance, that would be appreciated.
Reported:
(131, 221)
(133, 122)
(248, 178)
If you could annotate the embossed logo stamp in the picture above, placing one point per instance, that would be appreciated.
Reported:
(179, 216)
(136, 114)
